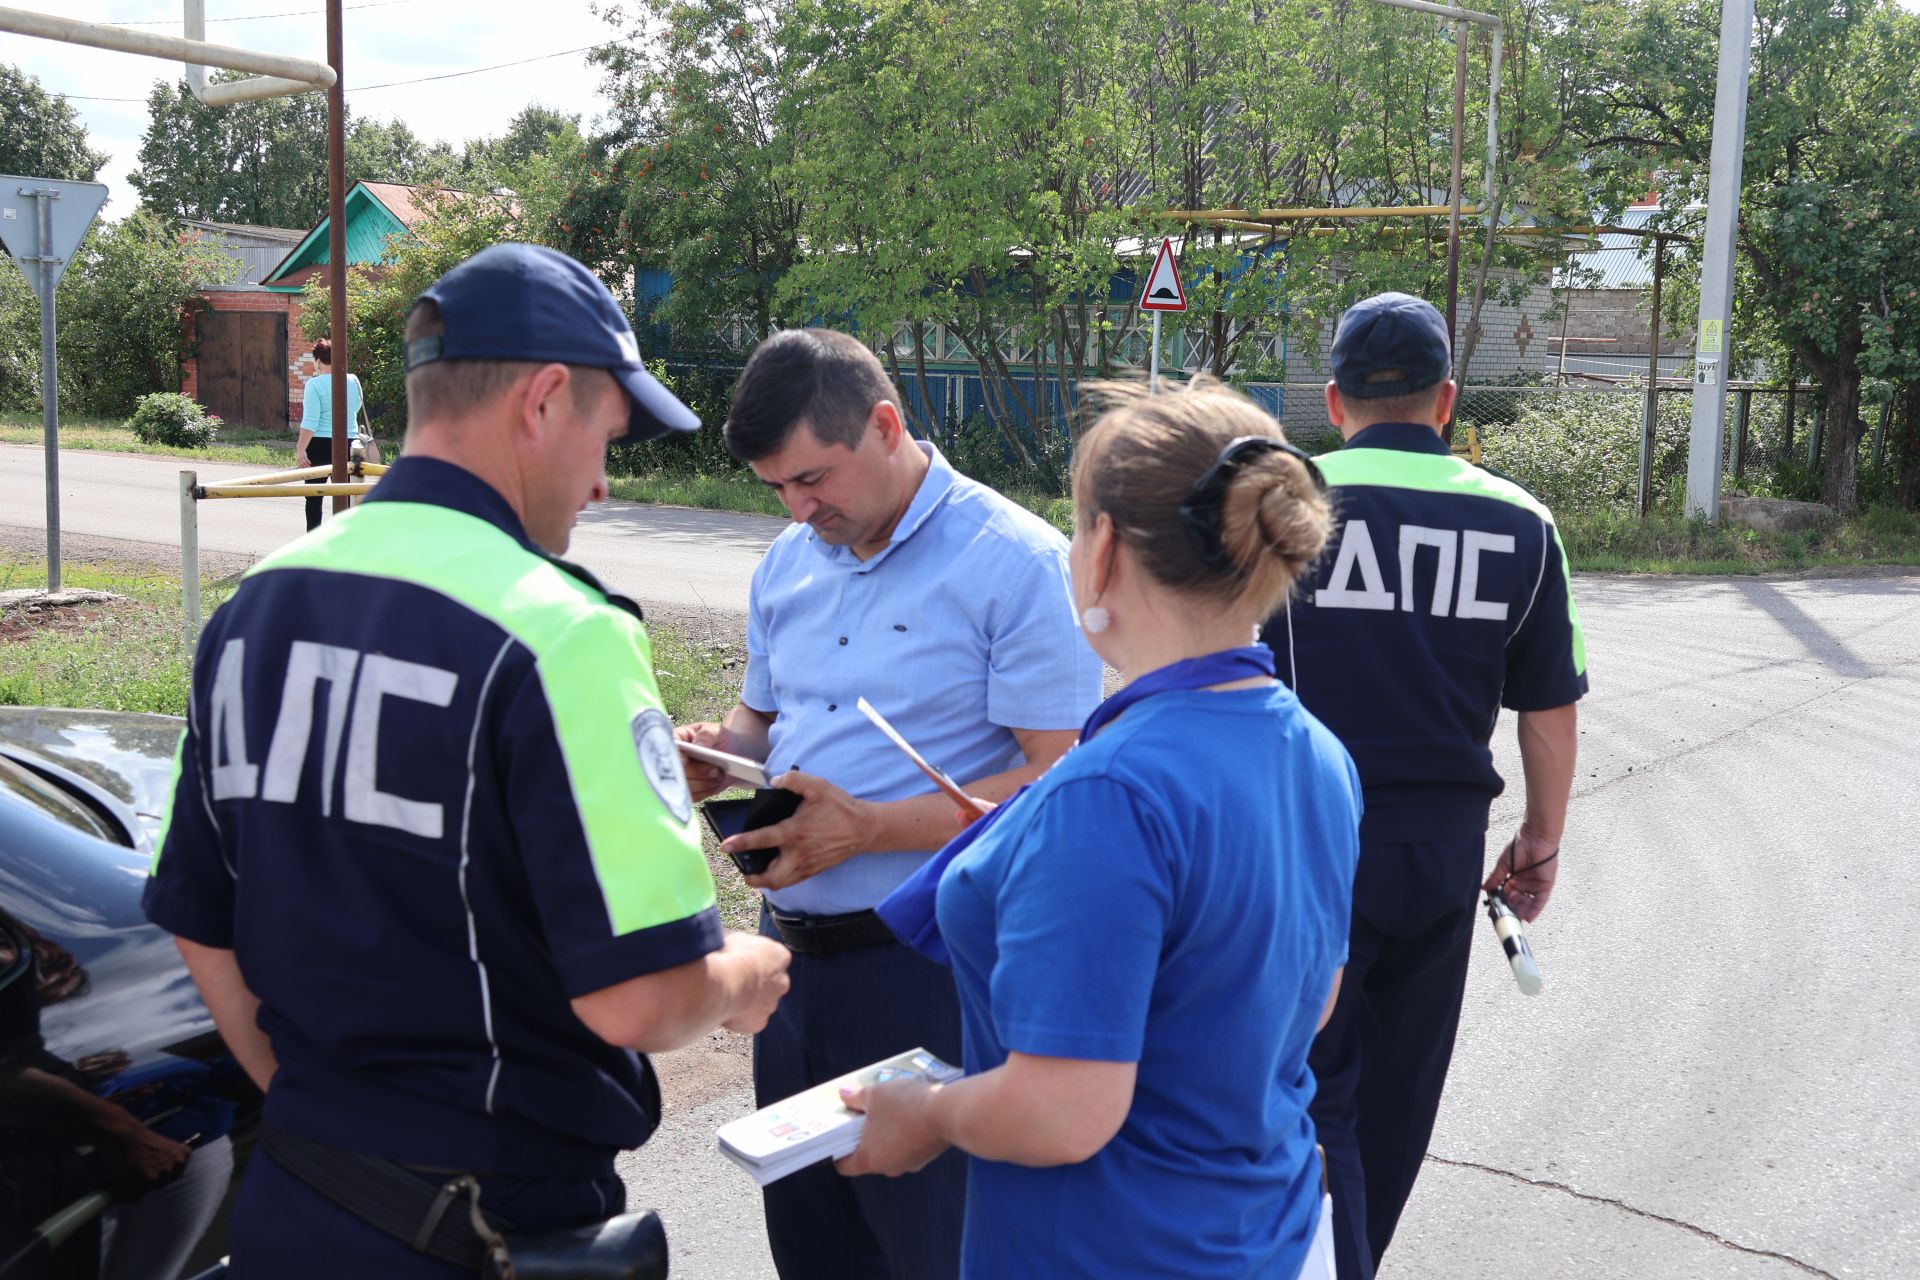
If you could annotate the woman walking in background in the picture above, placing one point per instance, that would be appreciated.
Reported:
(1146, 939)
(315, 448)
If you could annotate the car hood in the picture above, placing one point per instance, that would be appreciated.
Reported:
(126, 756)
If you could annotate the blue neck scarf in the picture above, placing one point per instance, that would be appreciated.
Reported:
(909, 909)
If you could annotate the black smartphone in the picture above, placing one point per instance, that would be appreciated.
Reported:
(728, 818)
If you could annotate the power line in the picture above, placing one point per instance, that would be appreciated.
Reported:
(392, 84)
(452, 75)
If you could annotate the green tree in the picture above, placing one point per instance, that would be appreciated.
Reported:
(19, 341)
(40, 133)
(531, 132)
(119, 315)
(1828, 220)
(259, 163)
(455, 228)
(704, 124)
(390, 151)
(938, 172)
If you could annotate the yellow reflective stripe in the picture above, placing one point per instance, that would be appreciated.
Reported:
(596, 671)
(599, 685)
(173, 798)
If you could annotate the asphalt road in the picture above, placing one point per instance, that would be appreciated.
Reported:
(1723, 1074)
(667, 556)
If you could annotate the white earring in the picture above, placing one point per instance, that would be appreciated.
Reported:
(1095, 619)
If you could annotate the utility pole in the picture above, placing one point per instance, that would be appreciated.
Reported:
(337, 250)
(1713, 338)
(1453, 194)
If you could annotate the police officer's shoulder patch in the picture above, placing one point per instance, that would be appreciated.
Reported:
(660, 761)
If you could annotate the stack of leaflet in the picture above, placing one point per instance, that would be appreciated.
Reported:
(814, 1126)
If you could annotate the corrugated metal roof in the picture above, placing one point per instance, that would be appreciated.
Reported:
(1621, 261)
(291, 234)
(257, 249)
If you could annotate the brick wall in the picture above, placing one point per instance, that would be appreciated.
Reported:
(1604, 321)
(1518, 336)
(300, 365)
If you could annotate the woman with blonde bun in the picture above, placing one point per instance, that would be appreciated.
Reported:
(1146, 939)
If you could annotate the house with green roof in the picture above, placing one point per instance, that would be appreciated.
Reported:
(247, 361)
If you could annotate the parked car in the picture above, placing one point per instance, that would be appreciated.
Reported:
(123, 1120)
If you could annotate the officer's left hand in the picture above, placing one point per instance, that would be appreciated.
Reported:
(830, 827)
(1525, 873)
(899, 1136)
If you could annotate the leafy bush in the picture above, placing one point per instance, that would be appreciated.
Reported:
(1579, 452)
(707, 389)
(119, 317)
(169, 418)
(980, 449)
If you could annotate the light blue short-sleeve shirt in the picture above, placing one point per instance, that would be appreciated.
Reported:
(316, 405)
(959, 632)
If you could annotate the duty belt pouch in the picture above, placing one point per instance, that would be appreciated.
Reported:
(632, 1246)
(446, 1222)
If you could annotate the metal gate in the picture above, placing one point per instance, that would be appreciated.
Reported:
(243, 367)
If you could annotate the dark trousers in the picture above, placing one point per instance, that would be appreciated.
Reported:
(319, 454)
(284, 1230)
(1381, 1061)
(843, 1012)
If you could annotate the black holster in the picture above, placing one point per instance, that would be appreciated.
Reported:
(447, 1223)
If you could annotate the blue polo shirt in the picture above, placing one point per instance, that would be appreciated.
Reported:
(961, 630)
(1443, 597)
(427, 795)
(1174, 894)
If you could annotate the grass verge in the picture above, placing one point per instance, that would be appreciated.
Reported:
(240, 445)
(132, 656)
(1607, 542)
(1668, 543)
(128, 656)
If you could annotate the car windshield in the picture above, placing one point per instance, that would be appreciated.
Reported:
(30, 788)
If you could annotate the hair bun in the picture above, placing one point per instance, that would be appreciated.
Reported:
(1273, 509)
(1144, 456)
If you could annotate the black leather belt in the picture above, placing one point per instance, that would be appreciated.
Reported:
(824, 935)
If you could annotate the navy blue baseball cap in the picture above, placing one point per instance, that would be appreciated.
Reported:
(1390, 333)
(529, 302)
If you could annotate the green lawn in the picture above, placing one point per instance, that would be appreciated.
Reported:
(1668, 543)
(126, 657)
(1665, 543)
(240, 445)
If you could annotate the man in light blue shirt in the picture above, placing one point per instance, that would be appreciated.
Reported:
(948, 608)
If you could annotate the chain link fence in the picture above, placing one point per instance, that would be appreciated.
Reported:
(1577, 446)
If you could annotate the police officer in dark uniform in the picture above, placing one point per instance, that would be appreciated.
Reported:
(1443, 598)
(430, 856)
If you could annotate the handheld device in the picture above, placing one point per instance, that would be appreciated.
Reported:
(728, 818)
(1513, 940)
(751, 772)
(937, 774)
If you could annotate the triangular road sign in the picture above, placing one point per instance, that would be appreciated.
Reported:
(1164, 291)
(72, 210)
